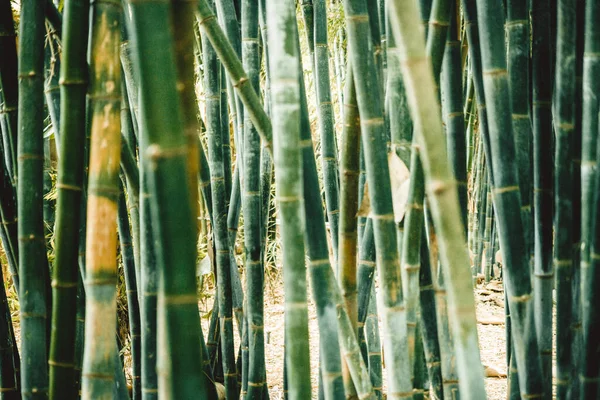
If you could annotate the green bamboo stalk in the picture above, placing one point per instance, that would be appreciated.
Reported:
(326, 293)
(183, 23)
(283, 66)
(374, 345)
(69, 195)
(411, 245)
(454, 115)
(325, 119)
(99, 357)
(8, 214)
(125, 241)
(428, 322)
(396, 104)
(33, 263)
(373, 139)
(179, 347)
(9, 85)
(220, 232)
(507, 199)
(564, 125)
(348, 233)
(487, 232)
(589, 132)
(576, 323)
(442, 194)
(542, 181)
(251, 203)
(517, 28)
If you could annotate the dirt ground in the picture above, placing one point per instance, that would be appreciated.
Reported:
(490, 314)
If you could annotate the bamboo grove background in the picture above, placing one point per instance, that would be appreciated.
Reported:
(385, 153)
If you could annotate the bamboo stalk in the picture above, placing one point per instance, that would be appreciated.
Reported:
(100, 356)
(442, 194)
(283, 66)
(251, 203)
(374, 142)
(589, 131)
(179, 348)
(33, 263)
(564, 125)
(507, 200)
(542, 181)
(69, 195)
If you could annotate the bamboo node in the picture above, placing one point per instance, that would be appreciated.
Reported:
(397, 395)
(65, 186)
(31, 157)
(101, 282)
(372, 121)
(318, 263)
(516, 22)
(7, 390)
(63, 285)
(155, 152)
(496, 72)
(367, 263)
(531, 396)
(61, 364)
(181, 299)
(563, 263)
(358, 18)
(256, 384)
(104, 377)
(505, 189)
(383, 217)
(240, 82)
(520, 299)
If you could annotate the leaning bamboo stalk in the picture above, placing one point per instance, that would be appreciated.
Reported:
(69, 187)
(442, 194)
(33, 263)
(99, 356)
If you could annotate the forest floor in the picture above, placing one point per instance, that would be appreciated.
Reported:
(490, 316)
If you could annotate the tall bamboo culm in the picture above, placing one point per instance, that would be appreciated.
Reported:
(285, 92)
(33, 263)
(442, 193)
(99, 357)
(69, 187)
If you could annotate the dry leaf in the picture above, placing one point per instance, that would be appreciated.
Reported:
(492, 372)
(400, 182)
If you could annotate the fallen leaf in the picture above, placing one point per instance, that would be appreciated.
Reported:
(492, 372)
(490, 321)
